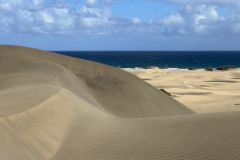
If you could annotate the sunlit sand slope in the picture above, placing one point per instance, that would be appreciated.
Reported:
(55, 107)
(200, 90)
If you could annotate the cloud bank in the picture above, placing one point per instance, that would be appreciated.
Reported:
(94, 17)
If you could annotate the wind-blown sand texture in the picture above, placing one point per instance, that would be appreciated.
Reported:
(202, 91)
(54, 107)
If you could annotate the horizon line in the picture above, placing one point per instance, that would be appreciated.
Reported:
(143, 50)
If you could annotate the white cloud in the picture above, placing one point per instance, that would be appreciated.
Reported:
(25, 16)
(39, 17)
(205, 19)
(194, 17)
(173, 20)
(37, 2)
(91, 3)
(93, 17)
(46, 17)
(5, 7)
(136, 20)
(201, 17)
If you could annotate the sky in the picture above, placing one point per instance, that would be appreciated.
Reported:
(121, 24)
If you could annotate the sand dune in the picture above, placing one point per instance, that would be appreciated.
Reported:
(55, 107)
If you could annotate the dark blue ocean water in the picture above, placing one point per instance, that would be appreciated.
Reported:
(163, 59)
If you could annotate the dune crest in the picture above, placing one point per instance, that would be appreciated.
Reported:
(57, 107)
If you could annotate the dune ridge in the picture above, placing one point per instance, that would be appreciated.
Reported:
(56, 107)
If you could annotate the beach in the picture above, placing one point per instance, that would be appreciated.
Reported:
(55, 107)
(202, 91)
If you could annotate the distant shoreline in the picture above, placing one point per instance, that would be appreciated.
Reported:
(155, 67)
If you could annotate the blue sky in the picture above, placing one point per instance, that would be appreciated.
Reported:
(121, 24)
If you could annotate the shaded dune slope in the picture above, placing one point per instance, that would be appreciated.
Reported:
(57, 107)
(118, 92)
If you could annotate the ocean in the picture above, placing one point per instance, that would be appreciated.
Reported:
(162, 59)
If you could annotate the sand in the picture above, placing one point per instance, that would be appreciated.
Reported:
(202, 91)
(55, 107)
